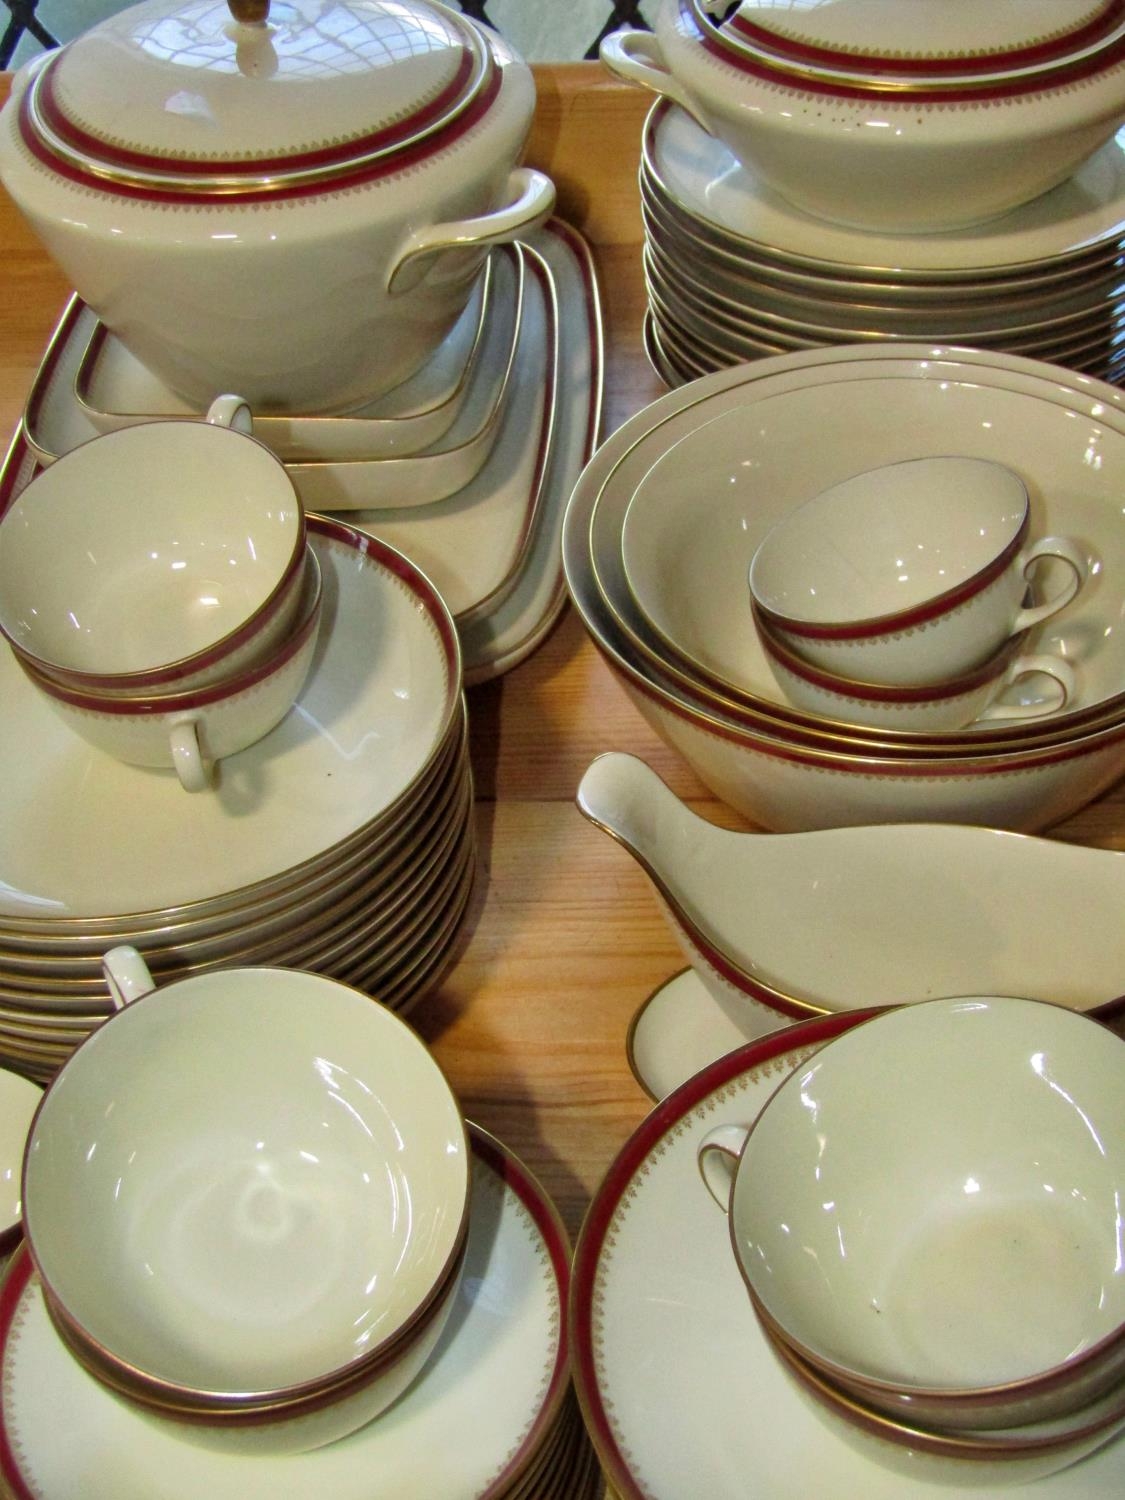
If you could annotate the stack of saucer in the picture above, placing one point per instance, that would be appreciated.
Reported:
(341, 842)
(735, 272)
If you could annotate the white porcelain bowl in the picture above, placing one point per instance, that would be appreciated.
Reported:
(928, 1211)
(915, 158)
(307, 219)
(265, 1176)
(161, 557)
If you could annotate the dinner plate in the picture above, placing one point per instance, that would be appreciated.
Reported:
(82, 835)
(681, 1393)
(702, 176)
(469, 1429)
(373, 877)
(114, 389)
(685, 566)
(741, 263)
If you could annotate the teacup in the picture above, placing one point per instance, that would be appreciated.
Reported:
(972, 697)
(909, 574)
(268, 1176)
(927, 1211)
(161, 557)
(192, 729)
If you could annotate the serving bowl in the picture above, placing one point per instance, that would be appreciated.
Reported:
(268, 1251)
(894, 147)
(369, 160)
(965, 1271)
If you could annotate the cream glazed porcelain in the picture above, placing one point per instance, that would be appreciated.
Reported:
(165, 557)
(982, 697)
(968, 1336)
(911, 573)
(370, 164)
(668, 1353)
(190, 729)
(900, 913)
(318, 1205)
(903, 154)
(477, 1425)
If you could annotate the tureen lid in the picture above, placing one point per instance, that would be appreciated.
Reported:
(206, 97)
(952, 39)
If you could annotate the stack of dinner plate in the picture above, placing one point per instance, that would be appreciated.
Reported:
(342, 842)
(735, 272)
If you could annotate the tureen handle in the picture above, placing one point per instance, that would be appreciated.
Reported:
(637, 57)
(530, 201)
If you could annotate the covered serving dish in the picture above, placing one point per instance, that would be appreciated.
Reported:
(880, 115)
(292, 202)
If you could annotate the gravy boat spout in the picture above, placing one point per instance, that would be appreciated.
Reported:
(791, 925)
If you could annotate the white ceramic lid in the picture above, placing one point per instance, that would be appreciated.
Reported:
(872, 39)
(192, 96)
(955, 36)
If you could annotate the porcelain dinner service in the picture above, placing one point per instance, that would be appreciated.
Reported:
(315, 447)
(655, 1272)
(864, 114)
(490, 543)
(735, 272)
(489, 1418)
(738, 444)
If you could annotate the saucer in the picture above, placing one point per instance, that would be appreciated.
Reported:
(19, 1100)
(682, 1395)
(680, 1029)
(702, 177)
(113, 389)
(475, 1424)
(82, 835)
(54, 421)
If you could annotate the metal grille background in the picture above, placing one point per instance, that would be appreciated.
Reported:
(540, 30)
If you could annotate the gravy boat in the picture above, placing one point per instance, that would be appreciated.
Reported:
(794, 925)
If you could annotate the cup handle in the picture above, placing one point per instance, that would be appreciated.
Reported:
(1051, 546)
(638, 57)
(230, 411)
(192, 766)
(1061, 673)
(717, 1156)
(126, 974)
(531, 200)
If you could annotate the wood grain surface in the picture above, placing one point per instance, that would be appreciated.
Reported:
(565, 940)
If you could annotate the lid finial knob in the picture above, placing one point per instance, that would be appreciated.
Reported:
(249, 12)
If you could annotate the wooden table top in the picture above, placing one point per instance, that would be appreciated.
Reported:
(566, 940)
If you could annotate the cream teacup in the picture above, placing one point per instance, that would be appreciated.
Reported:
(160, 557)
(191, 729)
(972, 697)
(911, 573)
